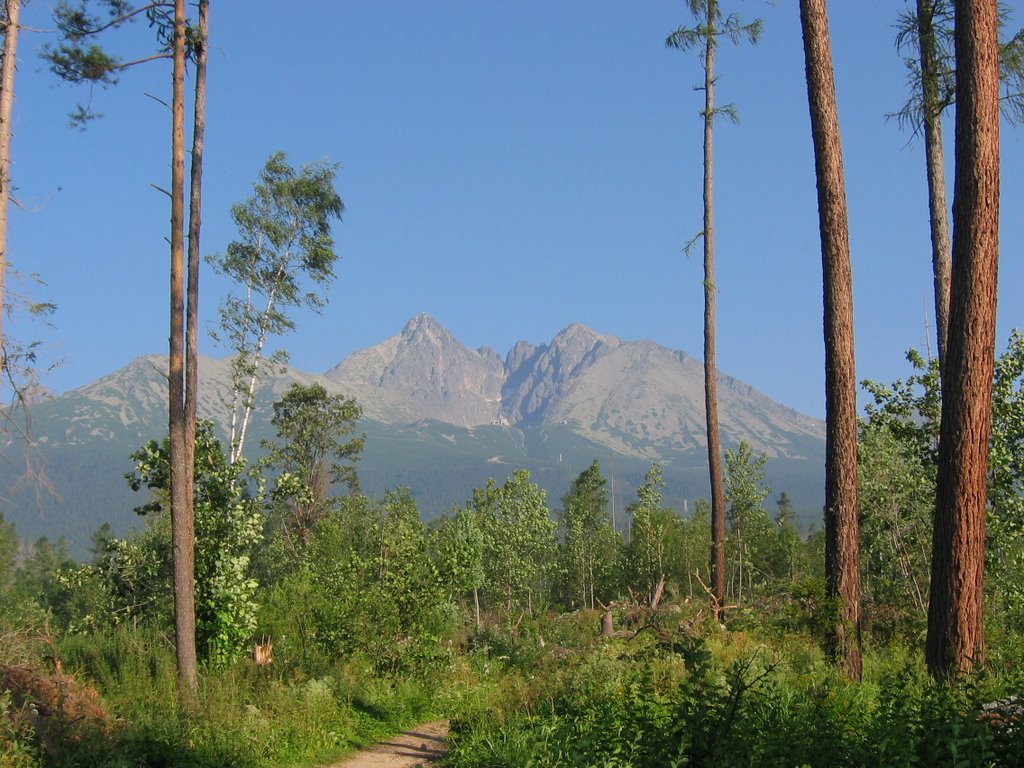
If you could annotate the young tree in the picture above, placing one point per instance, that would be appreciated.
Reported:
(842, 556)
(372, 585)
(311, 452)
(955, 630)
(229, 527)
(745, 491)
(787, 543)
(710, 27)
(458, 544)
(585, 512)
(898, 462)
(647, 539)
(286, 243)
(519, 538)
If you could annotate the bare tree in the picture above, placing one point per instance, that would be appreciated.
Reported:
(10, 27)
(956, 639)
(705, 36)
(842, 548)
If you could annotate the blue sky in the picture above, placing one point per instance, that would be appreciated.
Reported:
(509, 168)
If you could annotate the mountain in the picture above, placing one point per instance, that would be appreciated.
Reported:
(439, 418)
(432, 371)
(636, 398)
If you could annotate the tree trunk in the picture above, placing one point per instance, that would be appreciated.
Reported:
(6, 105)
(182, 524)
(937, 217)
(710, 364)
(476, 607)
(194, 227)
(955, 631)
(842, 549)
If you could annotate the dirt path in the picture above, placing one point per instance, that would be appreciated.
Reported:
(422, 745)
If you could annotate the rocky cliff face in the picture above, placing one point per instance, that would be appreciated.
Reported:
(636, 397)
(436, 374)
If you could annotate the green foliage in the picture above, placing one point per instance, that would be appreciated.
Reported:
(374, 590)
(589, 552)
(458, 544)
(897, 460)
(78, 59)
(519, 536)
(283, 260)
(228, 529)
(712, 25)
(738, 704)
(1011, 64)
(1005, 524)
(310, 453)
(649, 535)
(751, 533)
(241, 716)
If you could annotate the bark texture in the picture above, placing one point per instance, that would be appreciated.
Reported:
(935, 166)
(710, 361)
(955, 632)
(842, 547)
(182, 518)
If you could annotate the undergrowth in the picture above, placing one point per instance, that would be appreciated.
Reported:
(243, 716)
(733, 701)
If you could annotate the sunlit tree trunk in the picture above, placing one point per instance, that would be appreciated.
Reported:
(710, 362)
(956, 639)
(182, 522)
(842, 549)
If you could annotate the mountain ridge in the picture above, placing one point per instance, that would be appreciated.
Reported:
(440, 418)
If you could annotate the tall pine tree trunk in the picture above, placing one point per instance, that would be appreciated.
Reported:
(194, 227)
(935, 163)
(842, 548)
(710, 362)
(182, 522)
(7, 70)
(955, 631)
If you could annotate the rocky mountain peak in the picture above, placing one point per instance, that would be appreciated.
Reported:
(636, 396)
(425, 329)
(425, 363)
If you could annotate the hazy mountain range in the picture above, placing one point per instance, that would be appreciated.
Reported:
(439, 418)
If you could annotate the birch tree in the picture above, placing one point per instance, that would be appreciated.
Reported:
(284, 260)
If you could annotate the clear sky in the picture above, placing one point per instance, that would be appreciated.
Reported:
(509, 167)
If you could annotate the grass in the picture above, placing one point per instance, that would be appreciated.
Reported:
(547, 692)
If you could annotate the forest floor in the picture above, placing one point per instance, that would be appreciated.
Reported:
(422, 745)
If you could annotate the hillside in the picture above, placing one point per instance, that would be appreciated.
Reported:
(439, 418)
